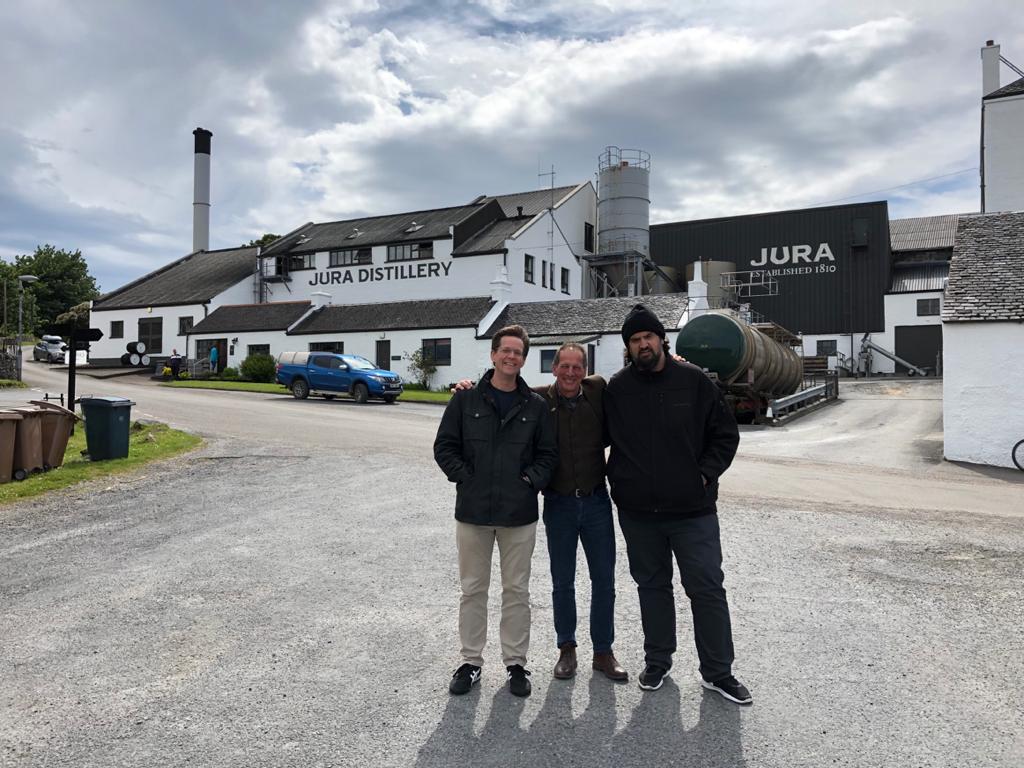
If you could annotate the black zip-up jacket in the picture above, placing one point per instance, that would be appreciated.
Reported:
(669, 430)
(487, 457)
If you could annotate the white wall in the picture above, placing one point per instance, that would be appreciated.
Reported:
(901, 310)
(981, 409)
(114, 348)
(537, 242)
(1004, 154)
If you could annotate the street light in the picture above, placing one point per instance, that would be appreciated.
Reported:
(23, 280)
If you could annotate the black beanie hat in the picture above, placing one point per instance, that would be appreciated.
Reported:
(640, 318)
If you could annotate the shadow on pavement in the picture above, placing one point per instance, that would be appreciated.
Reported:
(654, 736)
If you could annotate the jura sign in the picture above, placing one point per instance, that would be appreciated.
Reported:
(793, 255)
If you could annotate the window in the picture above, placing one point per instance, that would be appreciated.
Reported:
(588, 236)
(327, 346)
(551, 275)
(825, 347)
(547, 360)
(528, 268)
(297, 261)
(151, 333)
(117, 329)
(258, 349)
(184, 325)
(543, 274)
(410, 252)
(438, 351)
(927, 307)
(565, 280)
(351, 257)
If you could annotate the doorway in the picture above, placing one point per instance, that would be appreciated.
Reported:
(384, 354)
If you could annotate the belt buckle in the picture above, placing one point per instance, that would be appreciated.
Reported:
(579, 493)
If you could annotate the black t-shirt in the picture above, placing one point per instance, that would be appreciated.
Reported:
(504, 400)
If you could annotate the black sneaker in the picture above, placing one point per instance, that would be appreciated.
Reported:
(652, 677)
(463, 679)
(730, 688)
(517, 680)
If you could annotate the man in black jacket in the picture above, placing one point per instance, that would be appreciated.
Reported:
(496, 443)
(672, 436)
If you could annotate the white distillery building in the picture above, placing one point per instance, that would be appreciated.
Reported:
(983, 329)
(383, 287)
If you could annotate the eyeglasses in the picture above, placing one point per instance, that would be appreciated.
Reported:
(510, 351)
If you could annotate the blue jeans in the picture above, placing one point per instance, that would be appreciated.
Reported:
(568, 520)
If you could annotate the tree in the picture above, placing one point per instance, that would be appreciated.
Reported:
(76, 317)
(263, 242)
(421, 366)
(64, 281)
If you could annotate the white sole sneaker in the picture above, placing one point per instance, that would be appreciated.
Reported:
(639, 681)
(726, 694)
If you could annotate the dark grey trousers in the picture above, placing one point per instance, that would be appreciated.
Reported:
(695, 542)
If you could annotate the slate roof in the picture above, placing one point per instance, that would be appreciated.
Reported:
(924, 233)
(372, 230)
(576, 317)
(398, 315)
(491, 239)
(986, 274)
(533, 202)
(194, 279)
(236, 318)
(925, 276)
(1015, 88)
(433, 224)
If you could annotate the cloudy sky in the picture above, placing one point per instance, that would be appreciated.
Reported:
(331, 110)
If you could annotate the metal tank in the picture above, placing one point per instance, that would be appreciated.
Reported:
(624, 200)
(725, 345)
(656, 283)
(711, 273)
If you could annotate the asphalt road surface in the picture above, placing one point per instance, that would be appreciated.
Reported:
(287, 597)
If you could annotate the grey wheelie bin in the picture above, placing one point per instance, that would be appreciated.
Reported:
(107, 426)
(57, 423)
(8, 430)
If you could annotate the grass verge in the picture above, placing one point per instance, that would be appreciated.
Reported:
(409, 396)
(12, 384)
(147, 442)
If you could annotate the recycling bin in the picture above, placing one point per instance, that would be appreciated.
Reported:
(57, 422)
(8, 429)
(107, 426)
(28, 443)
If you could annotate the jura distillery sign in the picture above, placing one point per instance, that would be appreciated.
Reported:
(382, 274)
(779, 261)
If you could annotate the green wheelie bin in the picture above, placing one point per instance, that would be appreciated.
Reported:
(107, 426)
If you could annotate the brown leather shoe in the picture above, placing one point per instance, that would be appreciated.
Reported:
(606, 663)
(565, 668)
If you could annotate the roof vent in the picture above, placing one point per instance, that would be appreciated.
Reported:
(519, 211)
(353, 234)
(302, 239)
(414, 227)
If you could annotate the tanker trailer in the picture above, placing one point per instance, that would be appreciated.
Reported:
(750, 367)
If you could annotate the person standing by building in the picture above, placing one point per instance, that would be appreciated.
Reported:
(496, 443)
(174, 363)
(577, 509)
(672, 437)
(214, 355)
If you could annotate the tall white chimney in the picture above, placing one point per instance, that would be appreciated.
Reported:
(989, 68)
(201, 192)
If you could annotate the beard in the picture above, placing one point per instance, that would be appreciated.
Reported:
(647, 360)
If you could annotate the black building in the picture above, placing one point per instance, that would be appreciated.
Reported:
(832, 265)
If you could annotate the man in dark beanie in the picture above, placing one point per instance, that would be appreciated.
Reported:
(672, 436)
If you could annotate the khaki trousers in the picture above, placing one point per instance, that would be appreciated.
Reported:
(515, 552)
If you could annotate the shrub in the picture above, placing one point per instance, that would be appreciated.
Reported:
(184, 375)
(229, 373)
(166, 371)
(259, 368)
(420, 367)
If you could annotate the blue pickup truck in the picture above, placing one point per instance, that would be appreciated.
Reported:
(330, 374)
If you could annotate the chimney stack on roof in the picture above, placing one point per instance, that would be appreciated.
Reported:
(201, 192)
(989, 68)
